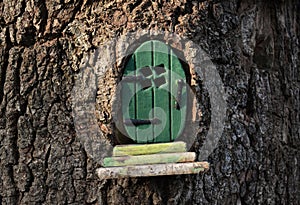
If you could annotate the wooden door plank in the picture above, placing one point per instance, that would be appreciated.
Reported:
(144, 98)
(161, 94)
(128, 97)
(152, 170)
(149, 159)
(125, 150)
(177, 115)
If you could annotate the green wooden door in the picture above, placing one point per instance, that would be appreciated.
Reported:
(153, 94)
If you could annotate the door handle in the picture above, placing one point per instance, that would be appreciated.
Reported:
(136, 122)
(179, 93)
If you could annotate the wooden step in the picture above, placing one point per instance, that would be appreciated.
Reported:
(149, 159)
(152, 170)
(142, 149)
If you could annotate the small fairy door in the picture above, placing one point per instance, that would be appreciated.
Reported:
(153, 94)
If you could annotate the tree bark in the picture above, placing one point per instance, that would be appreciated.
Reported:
(255, 46)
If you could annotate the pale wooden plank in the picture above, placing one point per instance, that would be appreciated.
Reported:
(152, 170)
(149, 159)
(125, 150)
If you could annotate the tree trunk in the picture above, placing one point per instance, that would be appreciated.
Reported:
(255, 47)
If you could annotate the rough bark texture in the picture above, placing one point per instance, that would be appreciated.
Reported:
(255, 47)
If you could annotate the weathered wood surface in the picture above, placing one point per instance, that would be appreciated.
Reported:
(125, 150)
(149, 159)
(152, 170)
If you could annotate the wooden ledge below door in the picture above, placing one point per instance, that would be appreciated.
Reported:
(152, 170)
